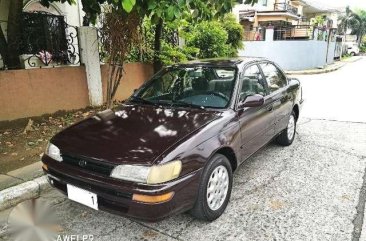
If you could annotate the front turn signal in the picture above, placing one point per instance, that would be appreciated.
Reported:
(153, 199)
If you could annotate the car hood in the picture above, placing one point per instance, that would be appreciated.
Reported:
(131, 134)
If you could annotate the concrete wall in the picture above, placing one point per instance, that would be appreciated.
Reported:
(291, 54)
(26, 93)
(331, 52)
(136, 75)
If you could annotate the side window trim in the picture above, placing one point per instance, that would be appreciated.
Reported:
(264, 78)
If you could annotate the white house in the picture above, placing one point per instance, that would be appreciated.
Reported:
(283, 31)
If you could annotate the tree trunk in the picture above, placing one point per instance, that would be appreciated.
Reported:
(3, 48)
(14, 33)
(157, 45)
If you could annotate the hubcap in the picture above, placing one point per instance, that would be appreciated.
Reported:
(217, 187)
(291, 128)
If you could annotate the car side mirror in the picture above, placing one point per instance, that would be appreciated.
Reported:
(252, 101)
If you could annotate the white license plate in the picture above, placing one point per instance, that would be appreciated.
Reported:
(82, 196)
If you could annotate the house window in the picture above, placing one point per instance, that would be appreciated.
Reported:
(264, 2)
(44, 32)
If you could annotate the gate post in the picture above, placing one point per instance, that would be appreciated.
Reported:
(89, 56)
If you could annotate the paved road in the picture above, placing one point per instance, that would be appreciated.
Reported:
(338, 95)
(309, 191)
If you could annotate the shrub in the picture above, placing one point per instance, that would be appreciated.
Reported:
(210, 38)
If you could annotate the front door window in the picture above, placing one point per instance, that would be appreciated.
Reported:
(252, 83)
(275, 78)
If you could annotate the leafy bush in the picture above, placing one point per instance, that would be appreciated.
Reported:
(363, 48)
(235, 33)
(210, 38)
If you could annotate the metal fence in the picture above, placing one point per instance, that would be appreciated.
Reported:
(301, 32)
(296, 32)
(46, 40)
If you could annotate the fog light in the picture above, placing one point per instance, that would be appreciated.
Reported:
(153, 199)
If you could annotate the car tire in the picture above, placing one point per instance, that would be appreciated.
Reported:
(353, 54)
(287, 136)
(213, 193)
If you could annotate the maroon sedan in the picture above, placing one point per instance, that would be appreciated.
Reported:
(174, 144)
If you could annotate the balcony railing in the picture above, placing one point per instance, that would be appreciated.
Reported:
(296, 32)
(286, 7)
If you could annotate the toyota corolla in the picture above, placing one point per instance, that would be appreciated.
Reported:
(174, 144)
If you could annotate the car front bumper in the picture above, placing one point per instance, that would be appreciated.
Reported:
(115, 196)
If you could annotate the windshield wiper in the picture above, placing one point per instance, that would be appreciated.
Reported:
(186, 104)
(142, 100)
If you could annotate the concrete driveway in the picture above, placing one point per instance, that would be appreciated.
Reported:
(313, 190)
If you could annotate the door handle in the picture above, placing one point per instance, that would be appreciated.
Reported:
(270, 108)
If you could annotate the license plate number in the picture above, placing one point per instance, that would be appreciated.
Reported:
(82, 196)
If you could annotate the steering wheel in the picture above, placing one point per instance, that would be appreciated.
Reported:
(219, 94)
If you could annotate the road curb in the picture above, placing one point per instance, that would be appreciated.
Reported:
(327, 69)
(317, 71)
(31, 189)
(352, 59)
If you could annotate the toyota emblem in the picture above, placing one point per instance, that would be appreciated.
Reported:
(82, 163)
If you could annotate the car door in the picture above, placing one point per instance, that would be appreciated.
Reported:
(256, 123)
(282, 100)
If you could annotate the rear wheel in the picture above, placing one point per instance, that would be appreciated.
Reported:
(214, 189)
(288, 135)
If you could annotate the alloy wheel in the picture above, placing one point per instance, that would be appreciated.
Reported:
(217, 187)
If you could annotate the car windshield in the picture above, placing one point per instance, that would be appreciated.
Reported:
(201, 87)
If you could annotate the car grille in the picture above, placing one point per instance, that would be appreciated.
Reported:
(60, 180)
(88, 164)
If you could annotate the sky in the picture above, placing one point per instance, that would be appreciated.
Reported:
(354, 4)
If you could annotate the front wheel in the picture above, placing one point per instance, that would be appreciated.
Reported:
(288, 135)
(214, 189)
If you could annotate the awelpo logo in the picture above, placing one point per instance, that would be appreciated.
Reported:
(32, 220)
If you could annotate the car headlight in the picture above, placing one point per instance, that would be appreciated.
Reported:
(54, 152)
(150, 175)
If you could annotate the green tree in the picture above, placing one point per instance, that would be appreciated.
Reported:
(360, 28)
(235, 33)
(355, 21)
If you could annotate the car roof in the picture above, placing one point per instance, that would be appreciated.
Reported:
(224, 62)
